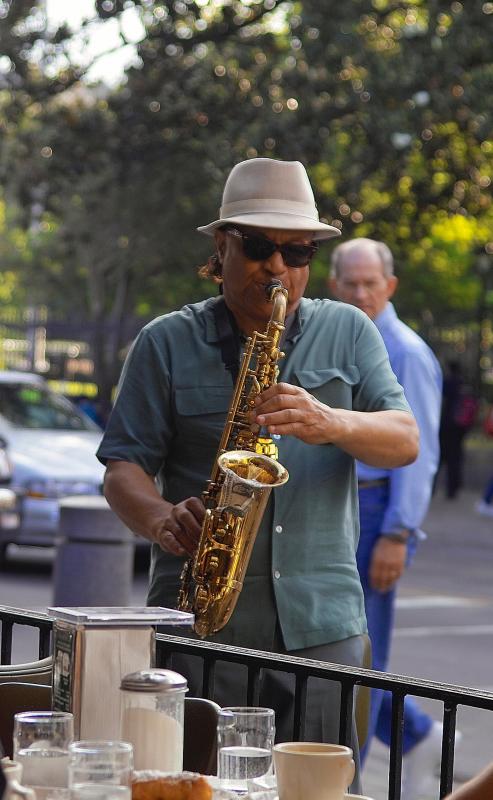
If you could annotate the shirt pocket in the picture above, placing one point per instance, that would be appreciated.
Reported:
(333, 386)
(200, 413)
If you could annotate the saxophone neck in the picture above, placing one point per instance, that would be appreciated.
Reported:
(278, 295)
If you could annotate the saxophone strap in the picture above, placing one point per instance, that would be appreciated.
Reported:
(229, 337)
(231, 340)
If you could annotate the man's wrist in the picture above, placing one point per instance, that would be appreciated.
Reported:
(401, 537)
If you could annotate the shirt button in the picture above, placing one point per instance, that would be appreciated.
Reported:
(278, 529)
(277, 574)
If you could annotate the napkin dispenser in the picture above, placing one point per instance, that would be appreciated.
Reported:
(93, 649)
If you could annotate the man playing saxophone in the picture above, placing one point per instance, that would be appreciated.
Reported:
(336, 400)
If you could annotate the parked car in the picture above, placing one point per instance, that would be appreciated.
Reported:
(5, 464)
(9, 510)
(51, 446)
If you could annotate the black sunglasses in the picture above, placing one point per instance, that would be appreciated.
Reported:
(260, 248)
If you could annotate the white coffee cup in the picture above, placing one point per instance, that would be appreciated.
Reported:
(13, 773)
(314, 770)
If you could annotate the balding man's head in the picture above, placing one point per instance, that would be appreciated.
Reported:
(362, 273)
(363, 246)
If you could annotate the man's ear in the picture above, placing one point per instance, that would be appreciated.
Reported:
(392, 284)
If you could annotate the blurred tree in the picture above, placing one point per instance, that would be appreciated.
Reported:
(127, 175)
(387, 102)
(414, 82)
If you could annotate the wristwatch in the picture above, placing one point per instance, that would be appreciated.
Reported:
(398, 536)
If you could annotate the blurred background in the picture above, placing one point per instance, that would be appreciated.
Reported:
(119, 120)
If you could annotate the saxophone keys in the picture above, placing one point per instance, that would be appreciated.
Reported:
(201, 599)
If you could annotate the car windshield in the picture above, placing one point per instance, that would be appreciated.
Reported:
(32, 406)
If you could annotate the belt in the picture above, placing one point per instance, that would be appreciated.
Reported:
(373, 484)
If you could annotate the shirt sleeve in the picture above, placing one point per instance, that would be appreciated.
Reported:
(377, 389)
(411, 486)
(139, 429)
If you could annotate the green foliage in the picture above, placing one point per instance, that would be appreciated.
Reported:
(14, 253)
(388, 103)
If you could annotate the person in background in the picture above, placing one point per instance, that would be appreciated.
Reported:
(485, 505)
(337, 399)
(393, 503)
(459, 411)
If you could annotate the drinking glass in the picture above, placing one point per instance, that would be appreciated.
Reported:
(245, 737)
(100, 770)
(41, 742)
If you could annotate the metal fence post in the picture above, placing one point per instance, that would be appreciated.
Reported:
(95, 555)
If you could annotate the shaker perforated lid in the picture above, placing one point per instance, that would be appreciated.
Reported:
(154, 680)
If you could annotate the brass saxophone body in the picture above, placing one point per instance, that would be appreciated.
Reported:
(244, 473)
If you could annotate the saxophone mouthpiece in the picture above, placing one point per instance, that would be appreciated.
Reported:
(269, 289)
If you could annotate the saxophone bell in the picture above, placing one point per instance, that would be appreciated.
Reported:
(227, 541)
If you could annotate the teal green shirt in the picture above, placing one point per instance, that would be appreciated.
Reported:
(168, 418)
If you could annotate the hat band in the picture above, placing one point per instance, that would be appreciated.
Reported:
(274, 206)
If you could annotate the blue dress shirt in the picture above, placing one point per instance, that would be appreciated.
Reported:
(420, 375)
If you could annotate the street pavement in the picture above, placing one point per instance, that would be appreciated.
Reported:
(444, 623)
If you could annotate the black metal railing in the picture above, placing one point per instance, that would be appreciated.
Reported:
(349, 678)
(450, 696)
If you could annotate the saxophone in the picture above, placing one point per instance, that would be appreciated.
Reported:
(245, 471)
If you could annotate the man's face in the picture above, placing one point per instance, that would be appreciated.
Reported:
(362, 282)
(244, 280)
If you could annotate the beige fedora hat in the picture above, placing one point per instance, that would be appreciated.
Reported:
(267, 193)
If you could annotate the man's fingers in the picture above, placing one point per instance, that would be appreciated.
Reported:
(182, 528)
(279, 402)
(384, 581)
(196, 507)
(187, 531)
(190, 519)
(277, 389)
(169, 543)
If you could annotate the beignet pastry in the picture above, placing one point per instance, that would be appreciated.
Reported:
(172, 787)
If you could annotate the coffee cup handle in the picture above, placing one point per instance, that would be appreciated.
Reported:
(351, 772)
(15, 790)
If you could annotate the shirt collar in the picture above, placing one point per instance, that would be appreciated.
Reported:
(211, 331)
(386, 317)
(293, 323)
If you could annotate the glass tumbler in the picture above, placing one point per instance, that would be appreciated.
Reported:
(100, 770)
(245, 737)
(41, 742)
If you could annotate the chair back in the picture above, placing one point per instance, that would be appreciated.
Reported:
(200, 735)
(16, 697)
(31, 672)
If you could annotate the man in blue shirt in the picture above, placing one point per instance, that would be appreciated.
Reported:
(393, 503)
